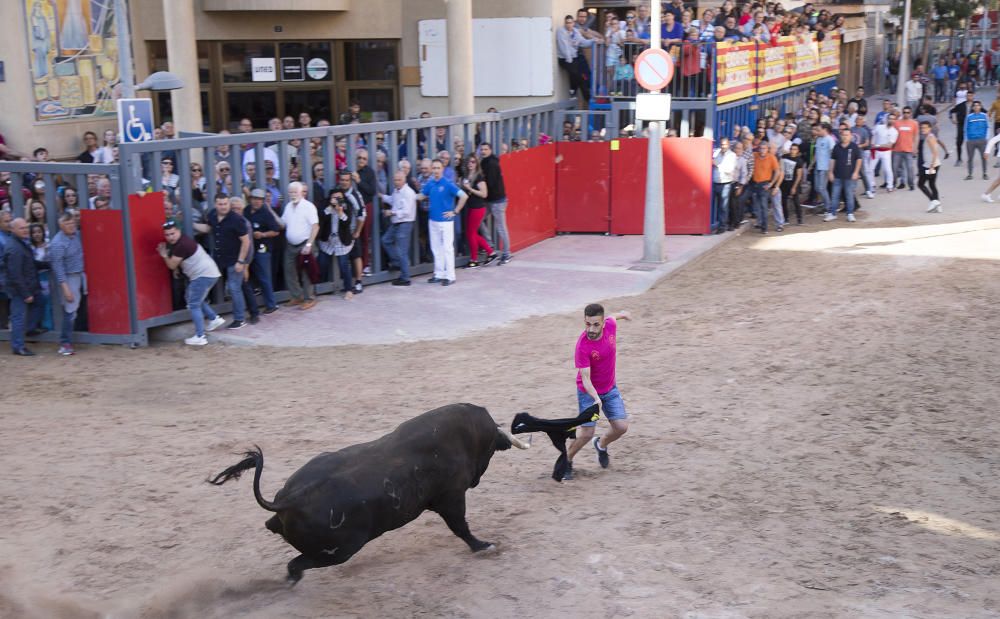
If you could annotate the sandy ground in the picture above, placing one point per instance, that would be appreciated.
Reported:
(815, 435)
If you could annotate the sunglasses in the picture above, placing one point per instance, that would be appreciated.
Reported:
(170, 223)
(195, 169)
(224, 169)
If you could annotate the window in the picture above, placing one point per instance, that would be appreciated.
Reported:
(158, 60)
(377, 104)
(315, 56)
(236, 60)
(370, 61)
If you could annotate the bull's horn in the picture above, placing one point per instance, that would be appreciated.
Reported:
(516, 442)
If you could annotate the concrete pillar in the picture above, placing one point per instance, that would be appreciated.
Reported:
(182, 59)
(461, 100)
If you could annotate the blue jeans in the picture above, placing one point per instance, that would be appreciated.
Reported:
(720, 205)
(23, 317)
(197, 291)
(499, 211)
(611, 403)
(234, 285)
(396, 243)
(261, 269)
(847, 188)
(66, 330)
(761, 203)
(819, 184)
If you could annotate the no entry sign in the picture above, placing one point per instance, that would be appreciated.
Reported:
(654, 68)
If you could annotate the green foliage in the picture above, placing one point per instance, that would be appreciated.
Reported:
(940, 14)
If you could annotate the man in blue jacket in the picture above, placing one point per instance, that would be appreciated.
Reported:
(977, 128)
(22, 286)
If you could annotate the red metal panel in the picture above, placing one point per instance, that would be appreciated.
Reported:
(152, 277)
(687, 185)
(530, 181)
(583, 172)
(103, 236)
(628, 185)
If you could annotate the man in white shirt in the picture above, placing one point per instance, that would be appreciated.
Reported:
(913, 90)
(396, 240)
(884, 137)
(250, 156)
(301, 227)
(723, 175)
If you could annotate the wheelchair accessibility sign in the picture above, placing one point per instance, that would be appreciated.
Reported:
(135, 120)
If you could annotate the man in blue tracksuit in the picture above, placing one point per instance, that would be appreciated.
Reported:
(977, 127)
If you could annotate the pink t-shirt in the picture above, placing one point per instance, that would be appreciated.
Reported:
(599, 356)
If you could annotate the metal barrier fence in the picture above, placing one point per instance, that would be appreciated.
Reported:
(694, 71)
(231, 167)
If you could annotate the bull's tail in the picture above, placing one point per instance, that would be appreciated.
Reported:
(506, 440)
(252, 460)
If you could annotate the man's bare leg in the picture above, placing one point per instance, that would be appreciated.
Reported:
(618, 429)
(584, 435)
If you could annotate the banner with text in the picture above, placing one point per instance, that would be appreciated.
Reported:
(736, 71)
(772, 65)
(803, 60)
(829, 56)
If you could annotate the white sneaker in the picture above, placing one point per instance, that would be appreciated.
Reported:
(830, 217)
(870, 195)
(850, 217)
(931, 206)
(196, 340)
(987, 198)
(937, 206)
(215, 324)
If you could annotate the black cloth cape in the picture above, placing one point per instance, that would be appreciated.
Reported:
(558, 431)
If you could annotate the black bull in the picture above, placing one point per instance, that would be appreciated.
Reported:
(339, 501)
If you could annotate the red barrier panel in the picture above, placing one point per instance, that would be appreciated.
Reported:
(687, 185)
(628, 185)
(103, 239)
(152, 277)
(530, 181)
(583, 171)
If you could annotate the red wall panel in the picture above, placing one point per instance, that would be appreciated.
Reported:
(103, 236)
(530, 181)
(152, 277)
(687, 185)
(583, 183)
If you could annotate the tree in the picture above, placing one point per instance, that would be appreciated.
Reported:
(939, 15)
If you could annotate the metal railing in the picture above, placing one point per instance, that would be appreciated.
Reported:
(612, 76)
(295, 155)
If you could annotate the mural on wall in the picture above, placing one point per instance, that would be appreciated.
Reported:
(73, 56)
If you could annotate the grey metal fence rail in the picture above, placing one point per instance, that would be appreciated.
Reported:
(296, 154)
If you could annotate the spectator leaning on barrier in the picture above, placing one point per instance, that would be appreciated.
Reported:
(441, 195)
(402, 211)
(66, 259)
(180, 251)
(22, 286)
(266, 226)
(496, 197)
(301, 227)
(474, 184)
(231, 248)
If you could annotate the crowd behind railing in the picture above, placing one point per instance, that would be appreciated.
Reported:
(597, 49)
(364, 181)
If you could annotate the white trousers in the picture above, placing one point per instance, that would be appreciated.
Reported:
(885, 156)
(442, 235)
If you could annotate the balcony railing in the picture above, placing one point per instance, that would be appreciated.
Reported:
(612, 76)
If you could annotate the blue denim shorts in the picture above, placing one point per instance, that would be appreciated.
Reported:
(611, 404)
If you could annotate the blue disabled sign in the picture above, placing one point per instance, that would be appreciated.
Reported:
(135, 120)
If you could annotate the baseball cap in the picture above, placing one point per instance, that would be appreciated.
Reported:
(258, 193)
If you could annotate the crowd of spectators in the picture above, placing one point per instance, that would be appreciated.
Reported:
(247, 222)
(614, 37)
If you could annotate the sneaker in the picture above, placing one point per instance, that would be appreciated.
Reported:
(271, 310)
(66, 350)
(236, 324)
(400, 282)
(255, 319)
(830, 217)
(986, 177)
(294, 301)
(311, 303)
(850, 217)
(937, 206)
(434, 280)
(23, 352)
(358, 288)
(473, 265)
(968, 178)
(366, 272)
(505, 260)
(602, 454)
(217, 322)
(196, 340)
(932, 206)
(987, 198)
(490, 259)
(447, 282)
(870, 195)
(568, 475)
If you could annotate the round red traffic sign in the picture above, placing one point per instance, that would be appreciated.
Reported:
(654, 68)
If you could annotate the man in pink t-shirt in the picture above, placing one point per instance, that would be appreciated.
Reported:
(596, 349)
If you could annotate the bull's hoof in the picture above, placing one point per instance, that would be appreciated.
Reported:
(293, 579)
(487, 549)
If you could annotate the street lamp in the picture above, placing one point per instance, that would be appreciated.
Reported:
(161, 81)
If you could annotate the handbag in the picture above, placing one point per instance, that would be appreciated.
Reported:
(307, 263)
